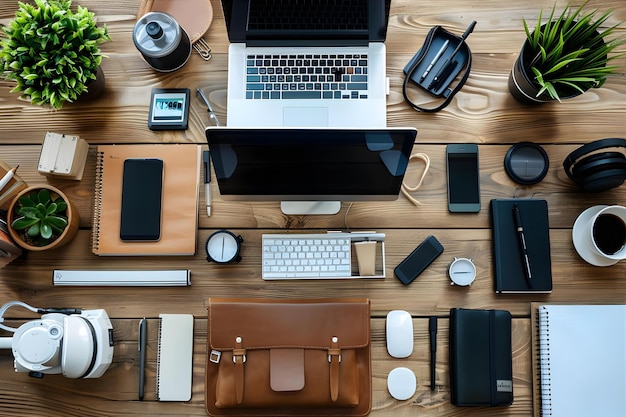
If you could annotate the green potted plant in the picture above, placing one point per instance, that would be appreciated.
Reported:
(41, 217)
(52, 52)
(564, 57)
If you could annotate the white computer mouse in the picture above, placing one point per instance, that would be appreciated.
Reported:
(399, 333)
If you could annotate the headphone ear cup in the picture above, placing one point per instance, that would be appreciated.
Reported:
(593, 163)
(600, 171)
(604, 180)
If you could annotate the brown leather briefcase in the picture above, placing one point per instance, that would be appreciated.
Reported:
(288, 357)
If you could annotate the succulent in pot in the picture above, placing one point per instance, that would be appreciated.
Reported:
(42, 217)
(565, 56)
(51, 51)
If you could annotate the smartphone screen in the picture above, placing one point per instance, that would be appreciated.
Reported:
(142, 185)
(418, 260)
(463, 178)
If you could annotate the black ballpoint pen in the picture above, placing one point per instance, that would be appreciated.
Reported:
(442, 75)
(206, 158)
(519, 227)
(143, 336)
(432, 329)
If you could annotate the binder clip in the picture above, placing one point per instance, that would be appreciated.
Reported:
(439, 61)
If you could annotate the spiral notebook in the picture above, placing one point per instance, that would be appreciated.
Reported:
(175, 357)
(181, 173)
(582, 360)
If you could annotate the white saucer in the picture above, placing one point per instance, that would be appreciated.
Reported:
(401, 383)
(581, 243)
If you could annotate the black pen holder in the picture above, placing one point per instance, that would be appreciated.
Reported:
(445, 67)
(439, 61)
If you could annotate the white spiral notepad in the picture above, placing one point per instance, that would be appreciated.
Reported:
(175, 357)
(582, 360)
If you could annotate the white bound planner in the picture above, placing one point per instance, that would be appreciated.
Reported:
(175, 357)
(582, 360)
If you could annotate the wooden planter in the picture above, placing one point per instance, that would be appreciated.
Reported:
(69, 232)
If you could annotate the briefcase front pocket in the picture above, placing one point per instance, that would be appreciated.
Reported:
(304, 357)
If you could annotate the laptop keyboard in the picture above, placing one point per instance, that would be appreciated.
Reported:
(331, 77)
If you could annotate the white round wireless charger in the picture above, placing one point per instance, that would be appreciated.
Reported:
(401, 383)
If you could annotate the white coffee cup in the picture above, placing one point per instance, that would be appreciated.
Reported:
(599, 235)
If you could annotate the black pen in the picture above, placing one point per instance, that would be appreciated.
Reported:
(206, 158)
(519, 227)
(143, 336)
(442, 75)
(432, 329)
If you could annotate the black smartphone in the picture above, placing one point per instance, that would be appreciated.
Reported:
(463, 178)
(418, 260)
(142, 188)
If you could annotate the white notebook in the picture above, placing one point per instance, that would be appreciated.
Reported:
(582, 360)
(175, 357)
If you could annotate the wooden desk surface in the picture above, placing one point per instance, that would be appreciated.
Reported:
(483, 112)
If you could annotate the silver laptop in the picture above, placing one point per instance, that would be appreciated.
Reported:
(306, 63)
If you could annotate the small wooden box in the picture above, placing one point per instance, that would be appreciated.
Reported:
(63, 156)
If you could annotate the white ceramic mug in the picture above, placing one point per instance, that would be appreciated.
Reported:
(599, 235)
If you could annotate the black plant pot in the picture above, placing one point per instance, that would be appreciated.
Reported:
(522, 83)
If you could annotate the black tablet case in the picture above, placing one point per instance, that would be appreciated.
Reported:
(509, 272)
(481, 364)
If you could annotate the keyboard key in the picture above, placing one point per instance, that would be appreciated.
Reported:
(301, 94)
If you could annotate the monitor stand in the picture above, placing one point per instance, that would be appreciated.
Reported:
(310, 207)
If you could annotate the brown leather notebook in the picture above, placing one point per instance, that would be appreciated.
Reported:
(179, 215)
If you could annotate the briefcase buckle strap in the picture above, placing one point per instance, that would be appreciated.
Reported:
(239, 358)
(334, 358)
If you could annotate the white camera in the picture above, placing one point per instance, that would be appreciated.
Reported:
(77, 343)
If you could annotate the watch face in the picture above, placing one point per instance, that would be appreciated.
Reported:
(222, 246)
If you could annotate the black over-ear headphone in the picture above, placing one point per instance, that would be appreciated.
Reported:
(597, 171)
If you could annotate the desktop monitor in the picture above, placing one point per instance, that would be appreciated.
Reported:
(310, 170)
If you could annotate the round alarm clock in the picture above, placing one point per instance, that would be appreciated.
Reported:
(223, 247)
(462, 271)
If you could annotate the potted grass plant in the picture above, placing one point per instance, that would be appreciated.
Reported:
(52, 52)
(565, 56)
(41, 217)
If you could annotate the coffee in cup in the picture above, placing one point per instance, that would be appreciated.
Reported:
(599, 235)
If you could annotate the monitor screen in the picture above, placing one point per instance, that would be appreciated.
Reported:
(310, 164)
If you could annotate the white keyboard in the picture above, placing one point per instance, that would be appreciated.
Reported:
(306, 256)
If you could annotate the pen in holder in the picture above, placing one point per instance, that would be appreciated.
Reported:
(437, 64)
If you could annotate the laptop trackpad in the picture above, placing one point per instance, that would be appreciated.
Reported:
(305, 116)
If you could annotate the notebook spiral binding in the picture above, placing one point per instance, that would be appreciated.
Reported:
(544, 362)
(158, 370)
(95, 238)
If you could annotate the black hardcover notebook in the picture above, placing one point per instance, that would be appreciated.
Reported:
(481, 359)
(508, 259)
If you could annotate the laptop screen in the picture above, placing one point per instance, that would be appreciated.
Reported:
(300, 22)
